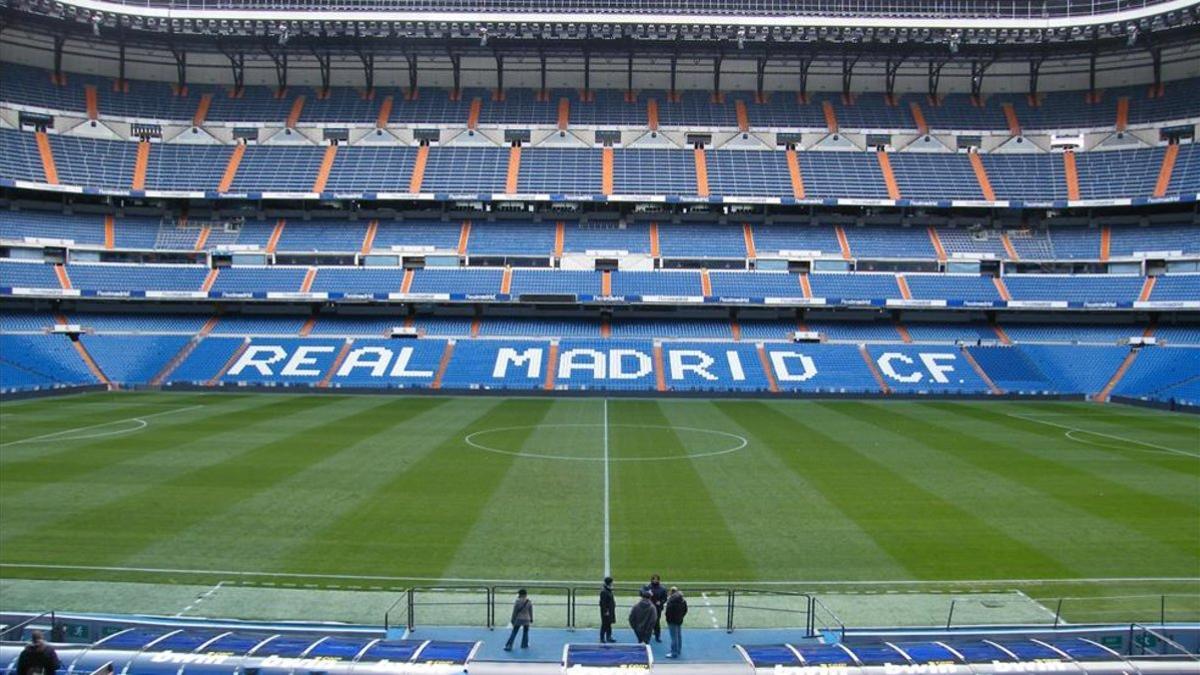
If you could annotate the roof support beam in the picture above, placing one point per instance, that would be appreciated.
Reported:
(1156, 58)
(935, 79)
(237, 66)
(978, 70)
(760, 74)
(412, 75)
(717, 60)
(1035, 69)
(674, 63)
(180, 70)
(280, 59)
(1092, 77)
(889, 78)
(543, 93)
(120, 84)
(848, 63)
(499, 96)
(629, 78)
(59, 41)
(587, 75)
(323, 64)
(456, 67)
(805, 63)
(368, 65)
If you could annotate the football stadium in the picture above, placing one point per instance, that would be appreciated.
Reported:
(426, 336)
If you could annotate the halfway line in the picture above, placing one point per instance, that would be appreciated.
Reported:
(607, 538)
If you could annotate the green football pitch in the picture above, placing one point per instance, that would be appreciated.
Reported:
(1096, 504)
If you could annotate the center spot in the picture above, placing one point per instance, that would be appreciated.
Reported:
(626, 442)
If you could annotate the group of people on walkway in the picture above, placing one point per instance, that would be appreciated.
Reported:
(655, 605)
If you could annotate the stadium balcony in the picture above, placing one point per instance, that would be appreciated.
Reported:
(1161, 237)
(76, 164)
(147, 101)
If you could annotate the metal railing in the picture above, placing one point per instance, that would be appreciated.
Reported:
(17, 631)
(559, 606)
(977, 9)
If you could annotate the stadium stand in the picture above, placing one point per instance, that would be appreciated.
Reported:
(154, 101)
(627, 354)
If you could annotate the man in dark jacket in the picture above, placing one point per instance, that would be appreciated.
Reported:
(676, 609)
(643, 618)
(608, 611)
(658, 595)
(38, 658)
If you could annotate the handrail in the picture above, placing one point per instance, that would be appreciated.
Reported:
(20, 627)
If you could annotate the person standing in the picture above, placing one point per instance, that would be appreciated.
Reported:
(608, 611)
(677, 608)
(658, 595)
(38, 658)
(522, 617)
(642, 618)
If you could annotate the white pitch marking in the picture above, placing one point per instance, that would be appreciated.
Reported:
(141, 419)
(607, 538)
(1100, 433)
(711, 614)
(692, 582)
(201, 599)
(1110, 446)
(1039, 605)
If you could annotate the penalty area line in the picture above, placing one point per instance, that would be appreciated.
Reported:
(140, 418)
(693, 582)
(1101, 433)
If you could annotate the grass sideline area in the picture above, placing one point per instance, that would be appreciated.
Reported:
(1099, 505)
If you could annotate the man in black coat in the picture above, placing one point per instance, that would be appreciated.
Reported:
(658, 595)
(38, 658)
(643, 618)
(608, 611)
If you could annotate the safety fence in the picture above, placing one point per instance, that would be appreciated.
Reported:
(572, 607)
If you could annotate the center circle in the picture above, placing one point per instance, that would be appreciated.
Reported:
(708, 442)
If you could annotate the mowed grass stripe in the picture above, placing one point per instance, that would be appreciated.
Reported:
(1118, 462)
(1159, 427)
(664, 519)
(211, 473)
(348, 454)
(930, 535)
(23, 432)
(112, 469)
(1007, 481)
(413, 523)
(787, 528)
(31, 458)
(553, 507)
(1134, 453)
